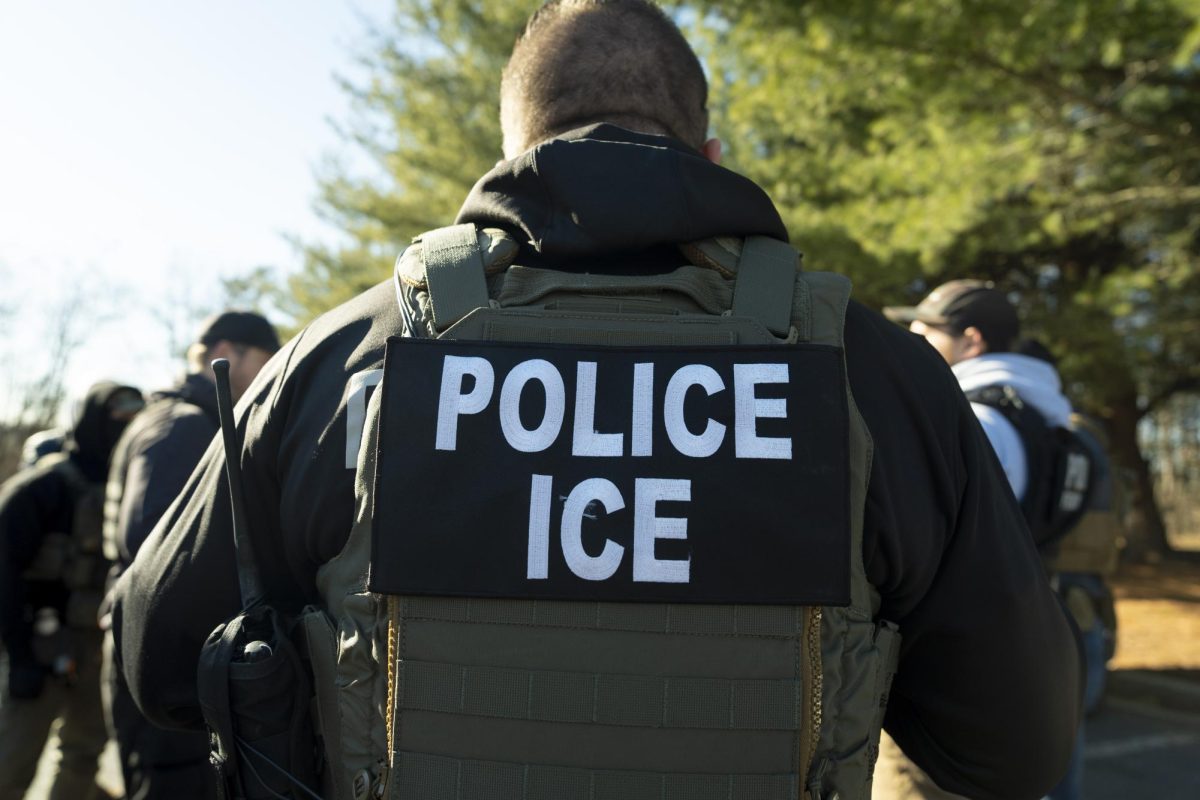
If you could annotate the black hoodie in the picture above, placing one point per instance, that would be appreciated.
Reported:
(153, 460)
(41, 500)
(987, 696)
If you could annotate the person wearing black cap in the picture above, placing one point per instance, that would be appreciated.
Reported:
(973, 327)
(151, 463)
(51, 582)
(1018, 399)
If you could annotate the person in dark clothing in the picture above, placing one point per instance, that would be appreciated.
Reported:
(151, 464)
(986, 694)
(51, 581)
(162, 447)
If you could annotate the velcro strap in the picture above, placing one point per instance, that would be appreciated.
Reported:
(430, 776)
(606, 699)
(766, 281)
(454, 273)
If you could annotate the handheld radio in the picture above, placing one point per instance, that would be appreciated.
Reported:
(254, 688)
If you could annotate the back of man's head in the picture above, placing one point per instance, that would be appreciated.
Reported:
(588, 61)
(237, 328)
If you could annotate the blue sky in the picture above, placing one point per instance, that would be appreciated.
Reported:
(149, 148)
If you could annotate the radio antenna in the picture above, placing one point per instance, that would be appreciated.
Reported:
(249, 581)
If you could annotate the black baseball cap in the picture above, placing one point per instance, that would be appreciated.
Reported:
(239, 327)
(963, 304)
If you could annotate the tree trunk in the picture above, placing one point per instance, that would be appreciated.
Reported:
(1146, 531)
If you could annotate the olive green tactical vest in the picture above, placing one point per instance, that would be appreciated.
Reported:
(467, 698)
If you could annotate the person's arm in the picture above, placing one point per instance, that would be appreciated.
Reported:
(183, 582)
(299, 492)
(986, 697)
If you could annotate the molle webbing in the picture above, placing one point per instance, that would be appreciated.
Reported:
(524, 699)
(546, 696)
(439, 778)
(604, 698)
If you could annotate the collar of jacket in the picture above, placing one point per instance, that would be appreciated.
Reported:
(196, 389)
(603, 189)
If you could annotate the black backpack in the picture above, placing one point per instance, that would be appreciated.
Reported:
(1061, 467)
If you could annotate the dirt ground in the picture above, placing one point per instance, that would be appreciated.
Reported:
(1158, 617)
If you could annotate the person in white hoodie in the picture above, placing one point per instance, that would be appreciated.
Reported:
(974, 328)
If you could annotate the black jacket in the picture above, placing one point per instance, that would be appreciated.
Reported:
(987, 696)
(153, 460)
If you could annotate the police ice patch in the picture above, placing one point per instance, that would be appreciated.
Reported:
(687, 474)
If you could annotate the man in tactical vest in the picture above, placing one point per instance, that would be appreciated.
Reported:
(1019, 402)
(151, 464)
(604, 497)
(52, 575)
(1085, 557)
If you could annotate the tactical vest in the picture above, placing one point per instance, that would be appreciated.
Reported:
(1059, 465)
(74, 557)
(432, 683)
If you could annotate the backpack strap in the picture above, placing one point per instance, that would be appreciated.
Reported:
(454, 272)
(765, 283)
(1041, 446)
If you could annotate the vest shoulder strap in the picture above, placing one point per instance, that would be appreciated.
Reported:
(766, 279)
(455, 261)
(1033, 432)
(454, 273)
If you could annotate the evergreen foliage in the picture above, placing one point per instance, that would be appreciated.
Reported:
(1051, 147)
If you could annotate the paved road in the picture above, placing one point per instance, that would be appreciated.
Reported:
(1136, 751)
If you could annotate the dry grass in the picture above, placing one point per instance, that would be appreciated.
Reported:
(1158, 617)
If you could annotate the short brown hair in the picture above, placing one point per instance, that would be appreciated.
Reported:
(587, 61)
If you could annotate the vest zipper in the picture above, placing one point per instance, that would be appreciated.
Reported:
(812, 678)
(393, 647)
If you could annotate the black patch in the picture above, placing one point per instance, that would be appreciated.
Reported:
(758, 530)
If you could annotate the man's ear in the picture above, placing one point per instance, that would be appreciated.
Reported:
(712, 150)
(973, 343)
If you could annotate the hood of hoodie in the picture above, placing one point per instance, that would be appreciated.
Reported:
(196, 389)
(1035, 381)
(602, 190)
(95, 432)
